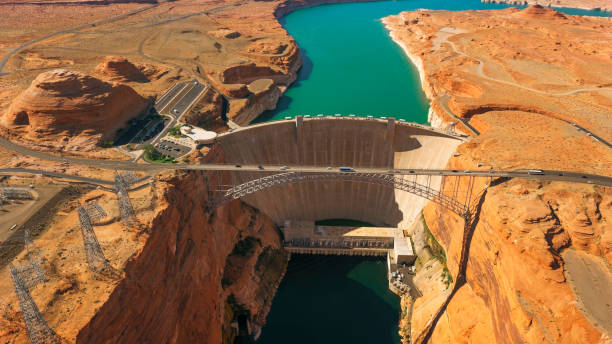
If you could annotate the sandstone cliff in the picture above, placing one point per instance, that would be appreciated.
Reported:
(264, 95)
(120, 69)
(538, 252)
(197, 271)
(61, 105)
(207, 110)
(184, 274)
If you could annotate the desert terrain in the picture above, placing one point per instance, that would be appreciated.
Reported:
(531, 87)
(136, 48)
(533, 84)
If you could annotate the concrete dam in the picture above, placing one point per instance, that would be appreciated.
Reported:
(333, 142)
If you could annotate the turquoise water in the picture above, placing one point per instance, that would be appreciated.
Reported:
(333, 299)
(351, 65)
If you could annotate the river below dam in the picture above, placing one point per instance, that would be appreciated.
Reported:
(333, 299)
(350, 66)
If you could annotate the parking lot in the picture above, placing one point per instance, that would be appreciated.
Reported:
(172, 149)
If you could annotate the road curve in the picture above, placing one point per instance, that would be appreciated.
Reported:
(6, 57)
(480, 72)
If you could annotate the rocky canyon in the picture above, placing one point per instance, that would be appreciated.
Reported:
(520, 93)
(510, 89)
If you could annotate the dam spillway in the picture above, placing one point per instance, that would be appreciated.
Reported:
(333, 142)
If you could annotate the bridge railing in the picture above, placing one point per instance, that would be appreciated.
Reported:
(449, 200)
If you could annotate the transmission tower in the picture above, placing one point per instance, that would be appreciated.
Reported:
(126, 211)
(31, 274)
(38, 329)
(95, 211)
(129, 178)
(93, 252)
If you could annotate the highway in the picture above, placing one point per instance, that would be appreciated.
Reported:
(544, 175)
(547, 175)
(164, 100)
(188, 99)
(12, 171)
(153, 168)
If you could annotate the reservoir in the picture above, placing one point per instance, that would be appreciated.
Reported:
(350, 66)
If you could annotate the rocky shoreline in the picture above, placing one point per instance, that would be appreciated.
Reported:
(582, 5)
(459, 53)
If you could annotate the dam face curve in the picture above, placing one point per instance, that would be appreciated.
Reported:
(335, 142)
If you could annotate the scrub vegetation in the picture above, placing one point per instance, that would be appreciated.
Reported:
(437, 252)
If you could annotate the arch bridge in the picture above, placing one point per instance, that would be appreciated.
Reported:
(451, 189)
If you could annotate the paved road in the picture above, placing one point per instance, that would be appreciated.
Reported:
(548, 175)
(105, 164)
(188, 99)
(155, 167)
(443, 100)
(11, 171)
(480, 71)
(169, 96)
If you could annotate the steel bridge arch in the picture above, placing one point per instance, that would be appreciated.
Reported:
(387, 180)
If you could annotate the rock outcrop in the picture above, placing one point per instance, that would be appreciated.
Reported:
(540, 13)
(120, 69)
(207, 110)
(501, 73)
(196, 273)
(264, 95)
(62, 103)
(530, 302)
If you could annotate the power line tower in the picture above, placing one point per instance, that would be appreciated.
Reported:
(38, 329)
(93, 252)
(95, 211)
(122, 182)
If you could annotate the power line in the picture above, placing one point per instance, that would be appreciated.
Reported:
(126, 211)
(93, 252)
(38, 329)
